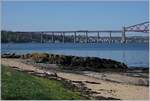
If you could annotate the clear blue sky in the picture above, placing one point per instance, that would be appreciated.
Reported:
(44, 15)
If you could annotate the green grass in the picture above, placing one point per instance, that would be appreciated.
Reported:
(17, 85)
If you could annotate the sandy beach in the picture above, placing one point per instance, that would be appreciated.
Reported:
(114, 85)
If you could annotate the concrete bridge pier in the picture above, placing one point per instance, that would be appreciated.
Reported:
(110, 38)
(123, 40)
(63, 37)
(31, 37)
(46, 37)
(52, 37)
(41, 37)
(75, 33)
(86, 37)
(98, 37)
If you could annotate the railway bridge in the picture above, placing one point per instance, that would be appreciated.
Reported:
(141, 27)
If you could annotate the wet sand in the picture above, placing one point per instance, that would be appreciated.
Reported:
(124, 87)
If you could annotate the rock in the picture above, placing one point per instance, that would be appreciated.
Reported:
(95, 64)
(66, 60)
(142, 82)
(105, 98)
(9, 55)
(78, 63)
(92, 82)
(26, 56)
(77, 81)
(40, 57)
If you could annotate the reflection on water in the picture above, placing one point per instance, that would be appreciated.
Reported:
(124, 57)
(131, 54)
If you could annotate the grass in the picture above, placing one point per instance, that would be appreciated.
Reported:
(17, 85)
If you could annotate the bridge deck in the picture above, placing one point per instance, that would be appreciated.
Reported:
(79, 31)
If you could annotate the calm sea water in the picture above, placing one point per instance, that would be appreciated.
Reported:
(131, 54)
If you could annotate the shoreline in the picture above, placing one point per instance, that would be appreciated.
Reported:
(104, 87)
(130, 73)
(17, 55)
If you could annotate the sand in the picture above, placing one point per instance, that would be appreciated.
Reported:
(123, 90)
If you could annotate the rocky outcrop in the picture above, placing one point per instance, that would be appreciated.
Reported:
(10, 55)
(89, 63)
(39, 57)
(76, 63)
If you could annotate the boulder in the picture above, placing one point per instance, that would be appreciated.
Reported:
(10, 55)
(26, 56)
(40, 57)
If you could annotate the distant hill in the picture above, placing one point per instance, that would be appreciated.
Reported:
(24, 37)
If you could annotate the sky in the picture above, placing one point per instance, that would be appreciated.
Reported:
(79, 15)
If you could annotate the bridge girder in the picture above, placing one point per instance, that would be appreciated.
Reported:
(142, 27)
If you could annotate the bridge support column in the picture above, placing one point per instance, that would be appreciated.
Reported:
(75, 33)
(110, 37)
(123, 40)
(41, 37)
(46, 38)
(52, 37)
(7, 37)
(86, 37)
(30, 37)
(63, 37)
(98, 37)
(17, 37)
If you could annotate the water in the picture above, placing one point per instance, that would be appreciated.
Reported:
(130, 54)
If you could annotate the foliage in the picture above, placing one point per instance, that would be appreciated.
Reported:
(24, 37)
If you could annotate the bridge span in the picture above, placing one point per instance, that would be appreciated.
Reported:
(85, 32)
(142, 27)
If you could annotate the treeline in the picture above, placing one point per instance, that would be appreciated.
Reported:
(35, 37)
(24, 37)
